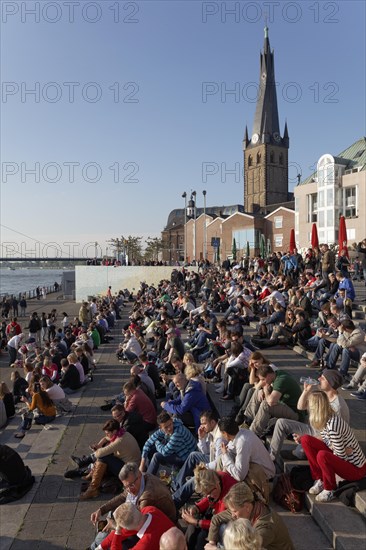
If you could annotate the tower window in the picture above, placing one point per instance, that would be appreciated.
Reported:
(259, 158)
(250, 161)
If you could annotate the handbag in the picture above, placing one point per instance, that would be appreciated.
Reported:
(286, 496)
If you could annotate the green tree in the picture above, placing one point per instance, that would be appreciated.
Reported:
(154, 245)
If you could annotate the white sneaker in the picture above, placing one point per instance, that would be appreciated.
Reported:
(317, 488)
(325, 496)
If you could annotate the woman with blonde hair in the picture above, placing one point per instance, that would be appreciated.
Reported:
(193, 371)
(339, 452)
(214, 486)
(241, 535)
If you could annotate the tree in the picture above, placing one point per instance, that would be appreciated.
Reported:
(127, 247)
(154, 245)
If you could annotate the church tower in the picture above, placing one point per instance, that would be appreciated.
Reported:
(266, 153)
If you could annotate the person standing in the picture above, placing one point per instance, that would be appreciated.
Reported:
(13, 346)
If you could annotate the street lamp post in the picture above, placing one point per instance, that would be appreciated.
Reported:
(194, 194)
(204, 227)
(184, 196)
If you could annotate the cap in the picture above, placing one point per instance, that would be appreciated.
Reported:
(333, 377)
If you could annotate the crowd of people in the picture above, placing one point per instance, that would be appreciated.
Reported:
(183, 477)
(56, 355)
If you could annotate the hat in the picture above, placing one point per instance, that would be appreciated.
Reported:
(333, 377)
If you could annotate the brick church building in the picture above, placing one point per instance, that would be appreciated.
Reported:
(267, 216)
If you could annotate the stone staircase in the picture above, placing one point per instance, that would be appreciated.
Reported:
(344, 527)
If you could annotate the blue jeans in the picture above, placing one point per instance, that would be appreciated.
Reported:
(193, 459)
(322, 345)
(158, 460)
(114, 464)
(346, 356)
(183, 494)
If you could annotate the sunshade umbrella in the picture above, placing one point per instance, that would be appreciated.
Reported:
(342, 236)
(292, 241)
(314, 236)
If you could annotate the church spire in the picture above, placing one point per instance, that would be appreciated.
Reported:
(266, 128)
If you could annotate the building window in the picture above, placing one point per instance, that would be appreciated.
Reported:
(312, 202)
(350, 202)
(259, 157)
(250, 161)
(278, 241)
(351, 234)
(278, 222)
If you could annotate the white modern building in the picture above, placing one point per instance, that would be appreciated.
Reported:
(336, 188)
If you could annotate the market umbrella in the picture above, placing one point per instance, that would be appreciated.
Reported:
(262, 246)
(314, 237)
(342, 236)
(233, 251)
(292, 241)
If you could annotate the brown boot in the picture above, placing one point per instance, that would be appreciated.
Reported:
(98, 473)
(88, 476)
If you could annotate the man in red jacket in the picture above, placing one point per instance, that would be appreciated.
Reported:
(147, 524)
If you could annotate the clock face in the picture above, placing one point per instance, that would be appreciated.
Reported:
(255, 138)
(276, 136)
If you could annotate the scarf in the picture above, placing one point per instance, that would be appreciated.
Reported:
(120, 433)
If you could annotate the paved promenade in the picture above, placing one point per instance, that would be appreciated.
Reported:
(51, 515)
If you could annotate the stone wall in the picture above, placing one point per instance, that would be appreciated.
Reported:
(95, 280)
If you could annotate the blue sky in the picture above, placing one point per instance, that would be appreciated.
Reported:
(173, 65)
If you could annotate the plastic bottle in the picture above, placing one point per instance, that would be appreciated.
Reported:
(309, 380)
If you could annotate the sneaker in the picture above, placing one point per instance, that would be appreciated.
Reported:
(317, 488)
(349, 386)
(325, 496)
(357, 393)
(313, 364)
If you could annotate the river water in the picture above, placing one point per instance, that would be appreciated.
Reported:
(23, 279)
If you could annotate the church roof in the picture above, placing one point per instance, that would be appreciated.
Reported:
(176, 216)
(352, 157)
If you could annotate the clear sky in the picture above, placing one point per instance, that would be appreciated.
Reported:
(131, 106)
